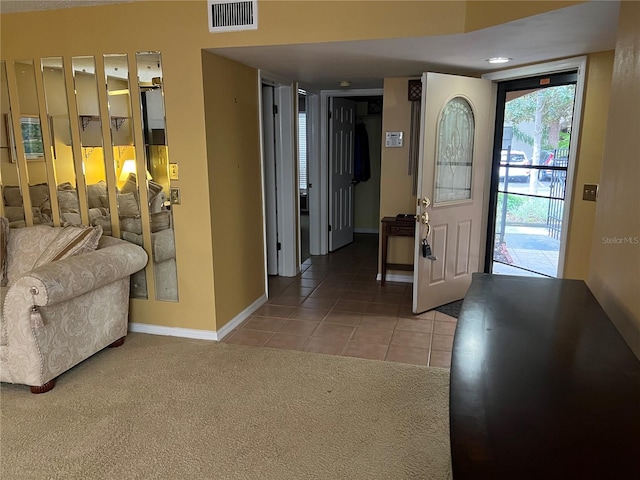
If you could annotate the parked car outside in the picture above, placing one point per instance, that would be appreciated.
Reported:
(517, 159)
(546, 159)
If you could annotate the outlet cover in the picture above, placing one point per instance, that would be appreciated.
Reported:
(590, 192)
(173, 171)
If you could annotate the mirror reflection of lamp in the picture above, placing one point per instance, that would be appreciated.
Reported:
(129, 167)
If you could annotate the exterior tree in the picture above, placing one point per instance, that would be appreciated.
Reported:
(549, 109)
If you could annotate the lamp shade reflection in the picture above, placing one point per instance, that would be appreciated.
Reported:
(129, 167)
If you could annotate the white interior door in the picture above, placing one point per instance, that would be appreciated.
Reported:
(270, 193)
(455, 152)
(341, 185)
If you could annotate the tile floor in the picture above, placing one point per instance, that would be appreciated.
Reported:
(336, 306)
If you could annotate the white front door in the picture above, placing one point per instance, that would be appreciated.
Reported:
(341, 155)
(455, 153)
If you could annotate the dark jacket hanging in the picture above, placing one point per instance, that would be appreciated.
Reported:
(361, 163)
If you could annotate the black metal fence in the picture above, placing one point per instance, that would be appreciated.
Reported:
(558, 187)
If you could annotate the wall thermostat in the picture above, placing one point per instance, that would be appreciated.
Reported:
(393, 139)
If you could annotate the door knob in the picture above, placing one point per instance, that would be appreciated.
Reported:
(423, 218)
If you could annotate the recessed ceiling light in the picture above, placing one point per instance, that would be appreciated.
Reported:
(499, 59)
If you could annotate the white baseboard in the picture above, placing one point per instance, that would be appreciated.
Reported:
(403, 278)
(199, 334)
(173, 331)
(241, 317)
(366, 230)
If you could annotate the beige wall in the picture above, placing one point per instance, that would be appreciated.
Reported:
(589, 161)
(235, 179)
(396, 187)
(614, 276)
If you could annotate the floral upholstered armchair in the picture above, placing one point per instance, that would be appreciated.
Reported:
(64, 297)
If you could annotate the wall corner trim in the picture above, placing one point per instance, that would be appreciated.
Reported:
(242, 316)
(199, 334)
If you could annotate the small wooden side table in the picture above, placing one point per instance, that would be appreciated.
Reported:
(393, 227)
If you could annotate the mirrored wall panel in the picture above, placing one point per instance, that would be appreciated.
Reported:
(116, 70)
(32, 142)
(12, 206)
(156, 149)
(88, 117)
(117, 79)
(91, 172)
(55, 93)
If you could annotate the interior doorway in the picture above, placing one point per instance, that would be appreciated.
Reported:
(303, 178)
(320, 144)
(277, 104)
(534, 118)
(269, 178)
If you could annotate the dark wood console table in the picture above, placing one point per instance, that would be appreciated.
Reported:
(392, 227)
(542, 385)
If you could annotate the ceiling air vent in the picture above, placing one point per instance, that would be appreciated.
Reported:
(231, 15)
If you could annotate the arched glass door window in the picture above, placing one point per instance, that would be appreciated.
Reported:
(454, 155)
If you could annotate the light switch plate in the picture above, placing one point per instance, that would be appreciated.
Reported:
(173, 171)
(175, 196)
(590, 192)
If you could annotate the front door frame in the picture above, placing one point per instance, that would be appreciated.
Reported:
(570, 64)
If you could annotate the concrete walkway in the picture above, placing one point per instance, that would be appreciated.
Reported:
(530, 248)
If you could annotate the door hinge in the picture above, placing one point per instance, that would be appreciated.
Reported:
(278, 246)
(275, 109)
(329, 227)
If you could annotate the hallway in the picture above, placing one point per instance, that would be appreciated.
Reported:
(336, 306)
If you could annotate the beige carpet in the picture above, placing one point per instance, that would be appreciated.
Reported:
(171, 408)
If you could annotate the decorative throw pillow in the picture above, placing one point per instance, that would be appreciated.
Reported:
(131, 224)
(12, 196)
(40, 196)
(68, 201)
(4, 241)
(72, 240)
(70, 218)
(130, 186)
(154, 188)
(160, 221)
(66, 186)
(128, 205)
(14, 214)
(93, 193)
